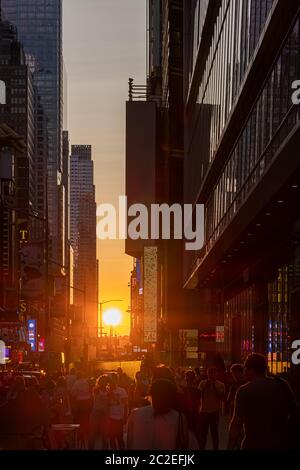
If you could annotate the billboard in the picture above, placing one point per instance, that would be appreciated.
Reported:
(41, 345)
(32, 271)
(189, 343)
(220, 334)
(31, 329)
(150, 294)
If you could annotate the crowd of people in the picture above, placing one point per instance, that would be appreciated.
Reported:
(162, 409)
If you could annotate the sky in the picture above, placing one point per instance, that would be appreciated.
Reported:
(104, 45)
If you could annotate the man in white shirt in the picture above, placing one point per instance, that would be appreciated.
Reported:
(82, 405)
(118, 409)
(71, 379)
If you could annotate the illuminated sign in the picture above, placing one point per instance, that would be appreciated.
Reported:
(3, 353)
(189, 343)
(31, 327)
(208, 335)
(220, 334)
(42, 345)
(23, 231)
(151, 294)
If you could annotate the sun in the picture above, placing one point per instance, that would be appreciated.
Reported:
(112, 317)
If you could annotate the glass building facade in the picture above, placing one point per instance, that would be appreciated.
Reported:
(273, 117)
(39, 24)
(239, 332)
(278, 321)
(235, 36)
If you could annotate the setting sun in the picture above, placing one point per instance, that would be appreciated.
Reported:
(112, 317)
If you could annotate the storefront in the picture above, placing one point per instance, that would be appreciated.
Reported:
(265, 318)
(239, 328)
(14, 343)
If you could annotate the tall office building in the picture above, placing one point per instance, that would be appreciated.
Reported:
(155, 131)
(66, 199)
(39, 24)
(17, 191)
(83, 231)
(18, 111)
(242, 162)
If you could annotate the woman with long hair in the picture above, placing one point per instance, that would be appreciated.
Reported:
(158, 426)
(99, 419)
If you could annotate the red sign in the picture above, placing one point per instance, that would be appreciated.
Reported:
(41, 347)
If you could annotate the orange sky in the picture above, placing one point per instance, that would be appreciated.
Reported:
(104, 45)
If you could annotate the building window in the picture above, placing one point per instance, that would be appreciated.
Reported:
(278, 330)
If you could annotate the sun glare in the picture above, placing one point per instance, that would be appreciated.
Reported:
(112, 317)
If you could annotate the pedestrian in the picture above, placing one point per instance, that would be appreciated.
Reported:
(191, 401)
(118, 411)
(263, 406)
(61, 402)
(197, 375)
(237, 373)
(17, 388)
(159, 426)
(24, 418)
(99, 419)
(71, 379)
(138, 391)
(82, 406)
(212, 395)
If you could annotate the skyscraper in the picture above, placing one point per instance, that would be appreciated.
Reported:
(83, 231)
(155, 131)
(39, 24)
(66, 198)
(16, 183)
(18, 110)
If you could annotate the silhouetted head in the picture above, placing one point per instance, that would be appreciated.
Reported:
(114, 380)
(61, 382)
(237, 371)
(255, 366)
(138, 376)
(163, 394)
(190, 378)
(212, 373)
(162, 372)
(102, 382)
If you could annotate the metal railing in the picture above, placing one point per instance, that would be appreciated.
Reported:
(138, 92)
(143, 93)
